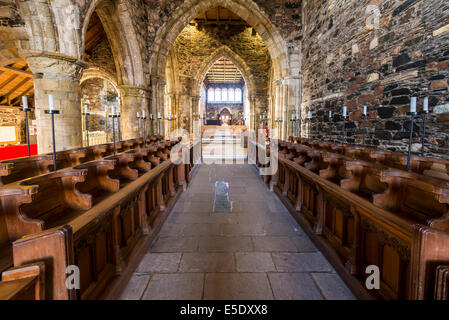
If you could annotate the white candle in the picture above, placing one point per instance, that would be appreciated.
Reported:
(426, 104)
(151, 116)
(158, 114)
(365, 110)
(413, 104)
(143, 113)
(309, 115)
(85, 109)
(138, 114)
(51, 105)
(330, 114)
(293, 116)
(25, 101)
(345, 111)
(113, 110)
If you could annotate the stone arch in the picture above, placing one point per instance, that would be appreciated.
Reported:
(246, 9)
(94, 72)
(117, 23)
(224, 51)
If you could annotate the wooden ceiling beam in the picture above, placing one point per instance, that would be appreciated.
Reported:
(16, 71)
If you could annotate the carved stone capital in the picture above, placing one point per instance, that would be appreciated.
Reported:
(54, 65)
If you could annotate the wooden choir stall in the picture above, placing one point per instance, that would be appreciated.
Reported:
(100, 211)
(362, 208)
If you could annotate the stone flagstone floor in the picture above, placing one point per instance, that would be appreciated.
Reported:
(257, 251)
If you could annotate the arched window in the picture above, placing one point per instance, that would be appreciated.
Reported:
(238, 95)
(211, 95)
(217, 95)
(224, 94)
(231, 95)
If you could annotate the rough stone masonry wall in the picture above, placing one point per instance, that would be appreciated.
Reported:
(284, 14)
(10, 116)
(102, 57)
(378, 53)
(193, 47)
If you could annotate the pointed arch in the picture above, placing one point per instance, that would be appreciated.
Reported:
(248, 10)
(117, 23)
(225, 52)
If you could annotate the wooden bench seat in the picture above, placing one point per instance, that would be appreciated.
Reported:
(336, 169)
(369, 215)
(25, 282)
(421, 199)
(139, 162)
(42, 202)
(122, 170)
(364, 180)
(23, 168)
(70, 158)
(97, 181)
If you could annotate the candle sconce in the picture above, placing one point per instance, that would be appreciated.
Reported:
(159, 119)
(113, 116)
(278, 122)
(51, 110)
(144, 131)
(343, 134)
(424, 112)
(152, 123)
(169, 118)
(86, 123)
(330, 124)
(27, 128)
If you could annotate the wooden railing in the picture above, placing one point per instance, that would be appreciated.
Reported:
(100, 216)
(21, 168)
(363, 213)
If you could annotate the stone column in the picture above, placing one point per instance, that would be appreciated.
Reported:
(134, 99)
(195, 118)
(58, 75)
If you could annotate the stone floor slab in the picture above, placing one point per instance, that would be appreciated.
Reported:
(332, 287)
(175, 286)
(135, 287)
(237, 286)
(225, 244)
(175, 244)
(294, 286)
(301, 262)
(207, 262)
(254, 262)
(159, 262)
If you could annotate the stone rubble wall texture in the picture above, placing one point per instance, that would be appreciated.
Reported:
(380, 54)
(193, 47)
(12, 116)
(103, 58)
(97, 91)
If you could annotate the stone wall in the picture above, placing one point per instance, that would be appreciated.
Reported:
(194, 46)
(98, 92)
(284, 14)
(10, 116)
(380, 54)
(102, 57)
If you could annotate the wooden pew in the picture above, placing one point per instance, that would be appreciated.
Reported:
(420, 199)
(97, 181)
(42, 202)
(70, 158)
(122, 170)
(336, 169)
(139, 162)
(96, 152)
(365, 179)
(25, 282)
(370, 220)
(106, 242)
(22, 168)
